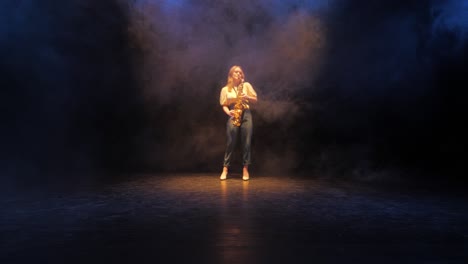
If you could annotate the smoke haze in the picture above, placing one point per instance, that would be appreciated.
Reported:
(197, 44)
(345, 88)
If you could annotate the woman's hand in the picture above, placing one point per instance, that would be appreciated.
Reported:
(244, 96)
(227, 111)
(251, 99)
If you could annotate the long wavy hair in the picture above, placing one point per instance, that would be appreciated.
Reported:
(230, 80)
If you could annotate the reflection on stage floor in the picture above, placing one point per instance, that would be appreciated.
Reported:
(195, 218)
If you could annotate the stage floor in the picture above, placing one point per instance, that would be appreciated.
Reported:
(195, 218)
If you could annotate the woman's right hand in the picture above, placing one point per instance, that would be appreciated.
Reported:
(227, 111)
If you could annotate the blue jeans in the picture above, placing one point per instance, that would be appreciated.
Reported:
(232, 133)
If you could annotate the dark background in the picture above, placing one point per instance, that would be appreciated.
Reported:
(362, 90)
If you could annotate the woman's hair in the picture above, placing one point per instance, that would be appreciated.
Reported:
(230, 81)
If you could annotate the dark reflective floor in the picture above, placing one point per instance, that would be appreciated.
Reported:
(195, 218)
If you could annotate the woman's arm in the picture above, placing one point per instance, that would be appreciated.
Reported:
(223, 101)
(252, 99)
(251, 95)
(226, 110)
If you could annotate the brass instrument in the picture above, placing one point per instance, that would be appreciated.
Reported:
(239, 106)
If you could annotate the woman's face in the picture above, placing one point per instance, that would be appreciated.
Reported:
(237, 74)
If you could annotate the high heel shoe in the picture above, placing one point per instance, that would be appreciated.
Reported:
(223, 176)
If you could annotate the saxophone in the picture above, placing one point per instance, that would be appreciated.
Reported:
(239, 106)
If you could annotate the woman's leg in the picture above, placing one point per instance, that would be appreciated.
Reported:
(246, 137)
(231, 138)
(246, 140)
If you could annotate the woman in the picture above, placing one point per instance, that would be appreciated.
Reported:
(237, 94)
